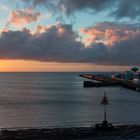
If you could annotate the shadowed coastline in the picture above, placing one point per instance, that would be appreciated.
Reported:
(120, 132)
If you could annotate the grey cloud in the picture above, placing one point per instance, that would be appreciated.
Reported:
(125, 51)
(127, 9)
(77, 5)
(71, 6)
(62, 46)
(118, 8)
(50, 4)
(52, 45)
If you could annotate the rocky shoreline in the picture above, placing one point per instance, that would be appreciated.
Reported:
(121, 132)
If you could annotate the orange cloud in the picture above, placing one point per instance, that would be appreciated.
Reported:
(61, 30)
(107, 33)
(41, 29)
(20, 18)
(5, 29)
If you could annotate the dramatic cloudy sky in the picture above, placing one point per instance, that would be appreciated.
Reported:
(69, 35)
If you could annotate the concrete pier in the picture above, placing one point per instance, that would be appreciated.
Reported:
(105, 81)
(98, 84)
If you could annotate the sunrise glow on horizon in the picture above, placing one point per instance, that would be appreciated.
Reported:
(34, 66)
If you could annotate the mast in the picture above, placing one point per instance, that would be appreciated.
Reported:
(105, 102)
(104, 125)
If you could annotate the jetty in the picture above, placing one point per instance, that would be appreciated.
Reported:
(128, 79)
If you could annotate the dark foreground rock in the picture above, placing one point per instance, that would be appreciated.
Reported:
(74, 133)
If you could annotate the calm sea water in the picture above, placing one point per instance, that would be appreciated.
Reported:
(59, 99)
